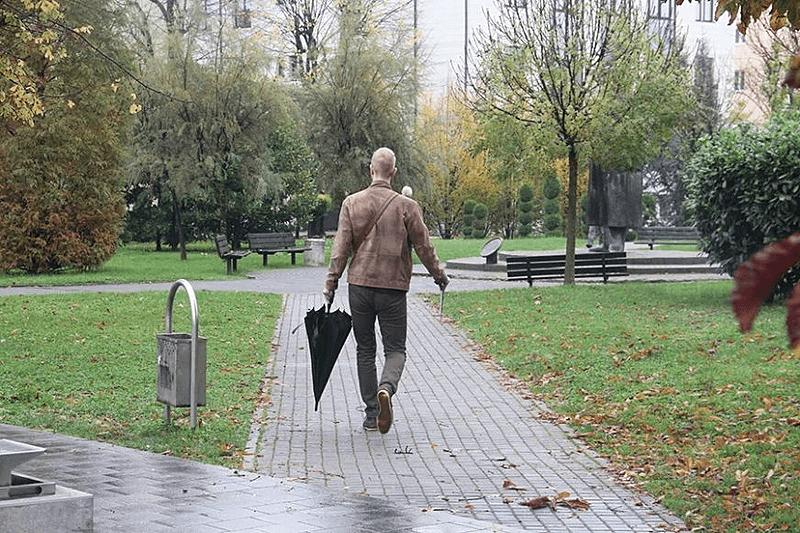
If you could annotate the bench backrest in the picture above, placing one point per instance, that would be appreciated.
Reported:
(270, 241)
(588, 264)
(668, 232)
(222, 245)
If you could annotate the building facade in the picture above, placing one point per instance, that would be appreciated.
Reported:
(447, 26)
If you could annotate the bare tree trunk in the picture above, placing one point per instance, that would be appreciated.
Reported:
(572, 216)
(176, 214)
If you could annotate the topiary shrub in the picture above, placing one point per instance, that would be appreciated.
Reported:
(469, 218)
(525, 207)
(551, 188)
(480, 212)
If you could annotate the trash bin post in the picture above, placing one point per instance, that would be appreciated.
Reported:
(195, 335)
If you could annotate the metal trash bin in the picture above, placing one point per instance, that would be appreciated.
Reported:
(181, 361)
(175, 367)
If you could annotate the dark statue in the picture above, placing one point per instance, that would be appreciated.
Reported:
(615, 204)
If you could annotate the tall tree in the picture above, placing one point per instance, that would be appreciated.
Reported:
(204, 139)
(61, 200)
(665, 173)
(455, 165)
(33, 41)
(306, 26)
(517, 156)
(363, 97)
(591, 75)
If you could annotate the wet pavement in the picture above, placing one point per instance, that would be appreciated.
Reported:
(467, 448)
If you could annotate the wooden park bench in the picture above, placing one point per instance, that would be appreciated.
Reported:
(667, 235)
(267, 244)
(230, 256)
(549, 266)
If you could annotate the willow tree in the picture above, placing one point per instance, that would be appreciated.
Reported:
(363, 96)
(202, 144)
(593, 78)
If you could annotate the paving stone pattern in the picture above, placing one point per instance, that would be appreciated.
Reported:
(458, 437)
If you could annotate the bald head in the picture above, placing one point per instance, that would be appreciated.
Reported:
(382, 165)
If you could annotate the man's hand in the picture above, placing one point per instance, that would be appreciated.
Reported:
(328, 296)
(442, 283)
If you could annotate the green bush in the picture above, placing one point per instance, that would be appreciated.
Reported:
(551, 188)
(481, 211)
(744, 187)
(469, 218)
(526, 193)
(551, 208)
(525, 208)
(552, 223)
(61, 204)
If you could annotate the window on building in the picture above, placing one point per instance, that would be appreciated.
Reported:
(738, 80)
(560, 14)
(656, 9)
(705, 11)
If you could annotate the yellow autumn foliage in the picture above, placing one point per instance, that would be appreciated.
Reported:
(562, 171)
(455, 170)
(26, 42)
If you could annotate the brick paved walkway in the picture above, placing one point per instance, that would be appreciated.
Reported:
(459, 437)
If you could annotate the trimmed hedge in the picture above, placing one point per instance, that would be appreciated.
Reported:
(744, 187)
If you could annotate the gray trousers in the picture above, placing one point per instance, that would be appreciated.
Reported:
(389, 307)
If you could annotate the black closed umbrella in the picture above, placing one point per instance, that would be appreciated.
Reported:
(327, 333)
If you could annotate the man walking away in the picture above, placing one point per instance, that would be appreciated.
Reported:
(375, 227)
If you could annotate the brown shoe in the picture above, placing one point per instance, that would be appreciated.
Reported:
(384, 411)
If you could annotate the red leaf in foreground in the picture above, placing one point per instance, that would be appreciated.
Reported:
(755, 278)
(793, 319)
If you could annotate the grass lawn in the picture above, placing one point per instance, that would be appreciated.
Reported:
(140, 263)
(658, 378)
(85, 365)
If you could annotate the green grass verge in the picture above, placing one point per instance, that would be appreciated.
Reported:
(140, 263)
(657, 378)
(85, 365)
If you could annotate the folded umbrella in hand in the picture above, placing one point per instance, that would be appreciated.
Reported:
(327, 333)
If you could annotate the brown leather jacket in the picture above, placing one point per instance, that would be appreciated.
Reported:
(383, 260)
